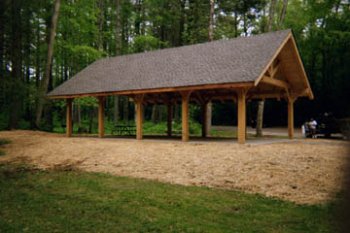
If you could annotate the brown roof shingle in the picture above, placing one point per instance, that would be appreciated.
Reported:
(224, 61)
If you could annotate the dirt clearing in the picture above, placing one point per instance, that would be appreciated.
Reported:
(302, 171)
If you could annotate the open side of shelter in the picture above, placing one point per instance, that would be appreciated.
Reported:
(238, 70)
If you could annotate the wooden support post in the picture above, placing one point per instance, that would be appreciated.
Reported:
(101, 116)
(170, 119)
(204, 120)
(69, 125)
(241, 132)
(185, 115)
(139, 115)
(291, 117)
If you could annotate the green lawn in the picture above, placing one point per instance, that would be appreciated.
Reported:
(33, 200)
(2, 143)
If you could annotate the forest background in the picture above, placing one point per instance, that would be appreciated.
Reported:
(44, 43)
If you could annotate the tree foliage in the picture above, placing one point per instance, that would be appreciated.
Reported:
(88, 30)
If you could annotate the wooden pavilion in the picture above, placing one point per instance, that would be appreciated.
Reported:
(256, 67)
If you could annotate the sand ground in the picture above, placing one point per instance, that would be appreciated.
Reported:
(305, 171)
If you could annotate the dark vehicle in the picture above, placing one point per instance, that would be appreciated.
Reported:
(327, 125)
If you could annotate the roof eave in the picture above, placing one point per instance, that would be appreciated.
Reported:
(159, 90)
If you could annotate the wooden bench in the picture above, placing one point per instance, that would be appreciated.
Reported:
(129, 130)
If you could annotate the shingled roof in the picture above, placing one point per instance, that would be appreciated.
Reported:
(239, 60)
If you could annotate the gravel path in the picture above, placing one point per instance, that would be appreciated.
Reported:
(302, 171)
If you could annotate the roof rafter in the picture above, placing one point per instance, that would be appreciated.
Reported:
(270, 63)
(275, 82)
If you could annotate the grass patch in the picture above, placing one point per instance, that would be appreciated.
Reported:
(160, 128)
(149, 128)
(3, 142)
(73, 201)
(223, 133)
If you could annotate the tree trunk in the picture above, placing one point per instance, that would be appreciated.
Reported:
(48, 113)
(116, 109)
(118, 51)
(154, 113)
(45, 82)
(211, 21)
(177, 112)
(124, 40)
(208, 115)
(271, 15)
(118, 28)
(261, 103)
(126, 109)
(182, 23)
(16, 60)
(138, 18)
(260, 118)
(37, 56)
(245, 24)
(236, 23)
(77, 114)
(2, 17)
(91, 122)
(283, 13)
(100, 21)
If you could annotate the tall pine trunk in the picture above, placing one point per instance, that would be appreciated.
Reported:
(154, 113)
(126, 109)
(235, 21)
(283, 14)
(125, 27)
(45, 82)
(37, 55)
(118, 51)
(100, 21)
(261, 103)
(16, 60)
(211, 21)
(2, 33)
(210, 38)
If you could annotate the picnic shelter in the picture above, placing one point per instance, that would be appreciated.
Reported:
(238, 70)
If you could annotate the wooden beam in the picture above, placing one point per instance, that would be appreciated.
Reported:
(170, 119)
(275, 82)
(296, 51)
(266, 95)
(274, 69)
(161, 90)
(291, 118)
(185, 115)
(241, 127)
(138, 99)
(101, 116)
(305, 92)
(69, 125)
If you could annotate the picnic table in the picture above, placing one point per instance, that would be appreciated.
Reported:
(124, 130)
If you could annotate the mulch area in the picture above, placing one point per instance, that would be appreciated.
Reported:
(305, 171)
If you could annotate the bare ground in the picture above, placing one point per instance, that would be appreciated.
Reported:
(302, 171)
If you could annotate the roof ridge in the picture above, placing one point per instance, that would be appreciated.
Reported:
(198, 44)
